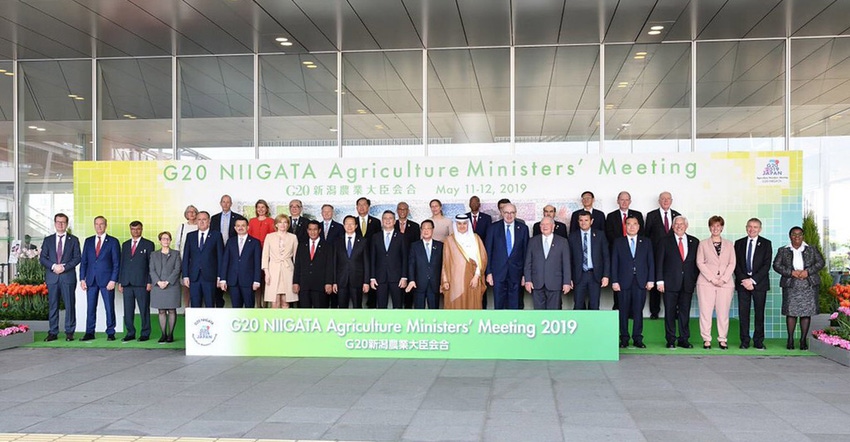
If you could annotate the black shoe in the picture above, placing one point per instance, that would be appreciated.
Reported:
(88, 337)
(110, 338)
(790, 346)
(671, 345)
(804, 345)
(50, 337)
(706, 345)
(760, 347)
(640, 344)
(127, 338)
(653, 316)
(144, 338)
(723, 346)
(170, 338)
(69, 337)
(744, 346)
(685, 344)
(624, 344)
(162, 339)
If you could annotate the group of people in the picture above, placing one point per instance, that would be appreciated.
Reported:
(441, 262)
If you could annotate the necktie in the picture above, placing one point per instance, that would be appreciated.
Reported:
(681, 249)
(667, 223)
(241, 244)
(584, 253)
(133, 249)
(545, 247)
(97, 248)
(363, 226)
(474, 222)
(348, 249)
(59, 248)
(312, 249)
(632, 246)
(625, 215)
(327, 227)
(750, 256)
(428, 251)
(201, 246)
(387, 242)
(508, 240)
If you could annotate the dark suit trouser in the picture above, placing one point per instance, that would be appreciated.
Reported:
(655, 302)
(759, 298)
(241, 296)
(677, 309)
(425, 296)
(545, 299)
(201, 293)
(587, 292)
(142, 297)
(386, 291)
(632, 301)
(65, 290)
(506, 295)
(308, 298)
(108, 306)
(219, 298)
(349, 294)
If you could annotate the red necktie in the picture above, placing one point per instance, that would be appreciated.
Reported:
(625, 215)
(474, 222)
(133, 249)
(681, 249)
(666, 223)
(97, 248)
(312, 249)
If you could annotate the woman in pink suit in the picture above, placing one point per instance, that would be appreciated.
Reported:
(716, 263)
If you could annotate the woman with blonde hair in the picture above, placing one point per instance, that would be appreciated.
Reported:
(258, 227)
(278, 263)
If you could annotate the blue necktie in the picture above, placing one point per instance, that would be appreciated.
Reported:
(750, 256)
(349, 247)
(428, 252)
(584, 253)
(632, 246)
(508, 241)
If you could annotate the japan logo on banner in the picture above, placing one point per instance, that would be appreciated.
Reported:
(773, 172)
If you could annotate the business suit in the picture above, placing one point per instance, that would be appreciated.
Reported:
(215, 226)
(762, 253)
(313, 274)
(614, 229)
(720, 269)
(200, 266)
(560, 229)
(240, 271)
(63, 285)
(98, 270)
(679, 279)
(632, 275)
(596, 215)
(587, 278)
(480, 225)
(547, 272)
(135, 279)
(506, 268)
(373, 226)
(411, 233)
(655, 229)
(351, 272)
(334, 231)
(388, 267)
(425, 273)
(298, 227)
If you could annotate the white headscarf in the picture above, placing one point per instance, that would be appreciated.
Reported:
(467, 241)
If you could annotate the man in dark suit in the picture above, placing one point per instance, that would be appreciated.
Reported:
(134, 281)
(240, 267)
(658, 225)
(367, 227)
(409, 229)
(676, 270)
(753, 255)
(224, 222)
(425, 266)
(329, 229)
(201, 255)
(507, 241)
(60, 254)
(98, 274)
(547, 267)
(598, 217)
(297, 222)
(560, 228)
(389, 263)
(313, 277)
(479, 220)
(615, 225)
(591, 262)
(632, 274)
(351, 266)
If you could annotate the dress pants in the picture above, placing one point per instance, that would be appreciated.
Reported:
(219, 298)
(308, 298)
(719, 300)
(349, 295)
(587, 292)
(132, 297)
(677, 310)
(91, 309)
(386, 291)
(423, 297)
(65, 291)
(632, 301)
(241, 296)
(506, 295)
(201, 294)
(655, 302)
(545, 299)
(759, 298)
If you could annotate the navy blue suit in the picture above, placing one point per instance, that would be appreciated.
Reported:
(483, 225)
(134, 277)
(506, 268)
(351, 272)
(335, 231)
(241, 270)
(62, 285)
(597, 216)
(426, 273)
(97, 270)
(388, 267)
(200, 265)
(587, 282)
(632, 274)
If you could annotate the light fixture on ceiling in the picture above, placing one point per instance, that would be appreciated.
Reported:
(170, 131)
(361, 111)
(641, 53)
(640, 57)
(11, 74)
(379, 127)
(307, 62)
(609, 106)
(40, 129)
(281, 39)
(286, 43)
(654, 32)
(72, 95)
(2, 70)
(656, 28)
(311, 66)
(332, 129)
(623, 84)
(32, 127)
(32, 174)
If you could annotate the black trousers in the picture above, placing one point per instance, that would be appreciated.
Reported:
(677, 311)
(759, 298)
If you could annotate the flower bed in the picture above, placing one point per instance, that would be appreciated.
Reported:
(13, 335)
(21, 302)
(838, 334)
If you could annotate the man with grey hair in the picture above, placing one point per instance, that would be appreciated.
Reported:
(547, 267)
(659, 223)
(560, 228)
(676, 270)
(506, 244)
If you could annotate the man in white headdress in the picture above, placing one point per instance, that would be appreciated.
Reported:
(464, 262)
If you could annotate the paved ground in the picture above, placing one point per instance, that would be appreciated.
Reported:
(164, 393)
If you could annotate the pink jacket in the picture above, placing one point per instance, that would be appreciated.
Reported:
(713, 267)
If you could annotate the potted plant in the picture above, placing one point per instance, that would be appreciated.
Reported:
(13, 335)
(826, 300)
(833, 342)
(26, 297)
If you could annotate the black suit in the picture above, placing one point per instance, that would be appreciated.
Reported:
(588, 283)
(481, 227)
(632, 274)
(656, 230)
(298, 227)
(680, 279)
(412, 233)
(560, 229)
(597, 216)
(335, 231)
(215, 226)
(135, 277)
(388, 267)
(313, 274)
(425, 273)
(373, 226)
(760, 273)
(614, 230)
(351, 272)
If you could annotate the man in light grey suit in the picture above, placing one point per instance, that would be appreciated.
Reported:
(547, 267)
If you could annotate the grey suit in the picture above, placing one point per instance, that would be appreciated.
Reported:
(548, 274)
